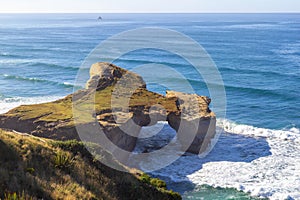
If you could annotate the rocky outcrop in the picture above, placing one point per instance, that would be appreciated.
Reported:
(118, 100)
(195, 124)
(103, 75)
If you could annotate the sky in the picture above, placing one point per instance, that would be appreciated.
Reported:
(148, 6)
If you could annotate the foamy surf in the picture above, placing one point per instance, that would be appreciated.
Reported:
(275, 176)
(7, 104)
(259, 161)
(262, 162)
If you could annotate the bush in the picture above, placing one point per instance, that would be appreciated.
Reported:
(174, 195)
(11, 196)
(30, 170)
(158, 183)
(15, 196)
(63, 160)
(67, 145)
(145, 178)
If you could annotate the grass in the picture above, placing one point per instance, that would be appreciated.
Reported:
(63, 160)
(53, 111)
(153, 181)
(16, 196)
(61, 110)
(52, 169)
(160, 184)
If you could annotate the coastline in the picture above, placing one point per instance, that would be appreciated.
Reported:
(52, 169)
(253, 159)
(261, 83)
(248, 135)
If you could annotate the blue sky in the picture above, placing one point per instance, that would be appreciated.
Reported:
(107, 6)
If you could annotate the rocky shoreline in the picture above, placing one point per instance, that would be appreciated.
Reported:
(118, 101)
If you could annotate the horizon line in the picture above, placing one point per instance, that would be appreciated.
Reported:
(272, 12)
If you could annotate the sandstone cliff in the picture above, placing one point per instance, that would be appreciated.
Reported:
(119, 101)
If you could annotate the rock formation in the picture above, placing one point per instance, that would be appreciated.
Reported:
(118, 100)
(195, 124)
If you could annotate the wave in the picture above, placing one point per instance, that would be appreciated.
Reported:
(50, 65)
(38, 80)
(262, 162)
(9, 103)
(287, 51)
(254, 26)
(258, 91)
(176, 63)
(243, 26)
(292, 134)
(247, 158)
(16, 61)
(9, 55)
(37, 63)
(249, 90)
(252, 90)
(259, 72)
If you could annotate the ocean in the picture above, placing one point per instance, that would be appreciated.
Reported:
(257, 55)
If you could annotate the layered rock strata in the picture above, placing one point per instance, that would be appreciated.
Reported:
(120, 103)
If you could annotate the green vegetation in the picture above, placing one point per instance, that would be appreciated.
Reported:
(15, 196)
(160, 184)
(53, 111)
(145, 178)
(61, 110)
(63, 160)
(29, 170)
(153, 181)
(50, 169)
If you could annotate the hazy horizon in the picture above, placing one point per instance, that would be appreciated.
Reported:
(298, 12)
(154, 6)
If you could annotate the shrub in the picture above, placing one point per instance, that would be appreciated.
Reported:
(158, 183)
(174, 195)
(30, 170)
(67, 145)
(145, 178)
(63, 160)
(11, 196)
(15, 196)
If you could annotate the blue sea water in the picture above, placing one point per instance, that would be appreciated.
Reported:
(258, 56)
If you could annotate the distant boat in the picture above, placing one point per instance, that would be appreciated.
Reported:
(99, 18)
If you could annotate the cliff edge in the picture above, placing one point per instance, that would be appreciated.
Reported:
(119, 101)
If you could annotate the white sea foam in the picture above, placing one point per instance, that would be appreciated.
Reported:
(68, 83)
(276, 176)
(20, 61)
(9, 103)
(263, 162)
(255, 26)
(241, 26)
(260, 161)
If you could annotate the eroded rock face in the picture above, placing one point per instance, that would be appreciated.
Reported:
(103, 75)
(119, 102)
(195, 124)
(190, 115)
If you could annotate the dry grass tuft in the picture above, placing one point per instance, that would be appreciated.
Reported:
(48, 169)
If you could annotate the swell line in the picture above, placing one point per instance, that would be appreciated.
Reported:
(267, 73)
(52, 66)
(37, 80)
(249, 90)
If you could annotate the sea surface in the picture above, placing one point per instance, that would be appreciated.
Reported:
(258, 56)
